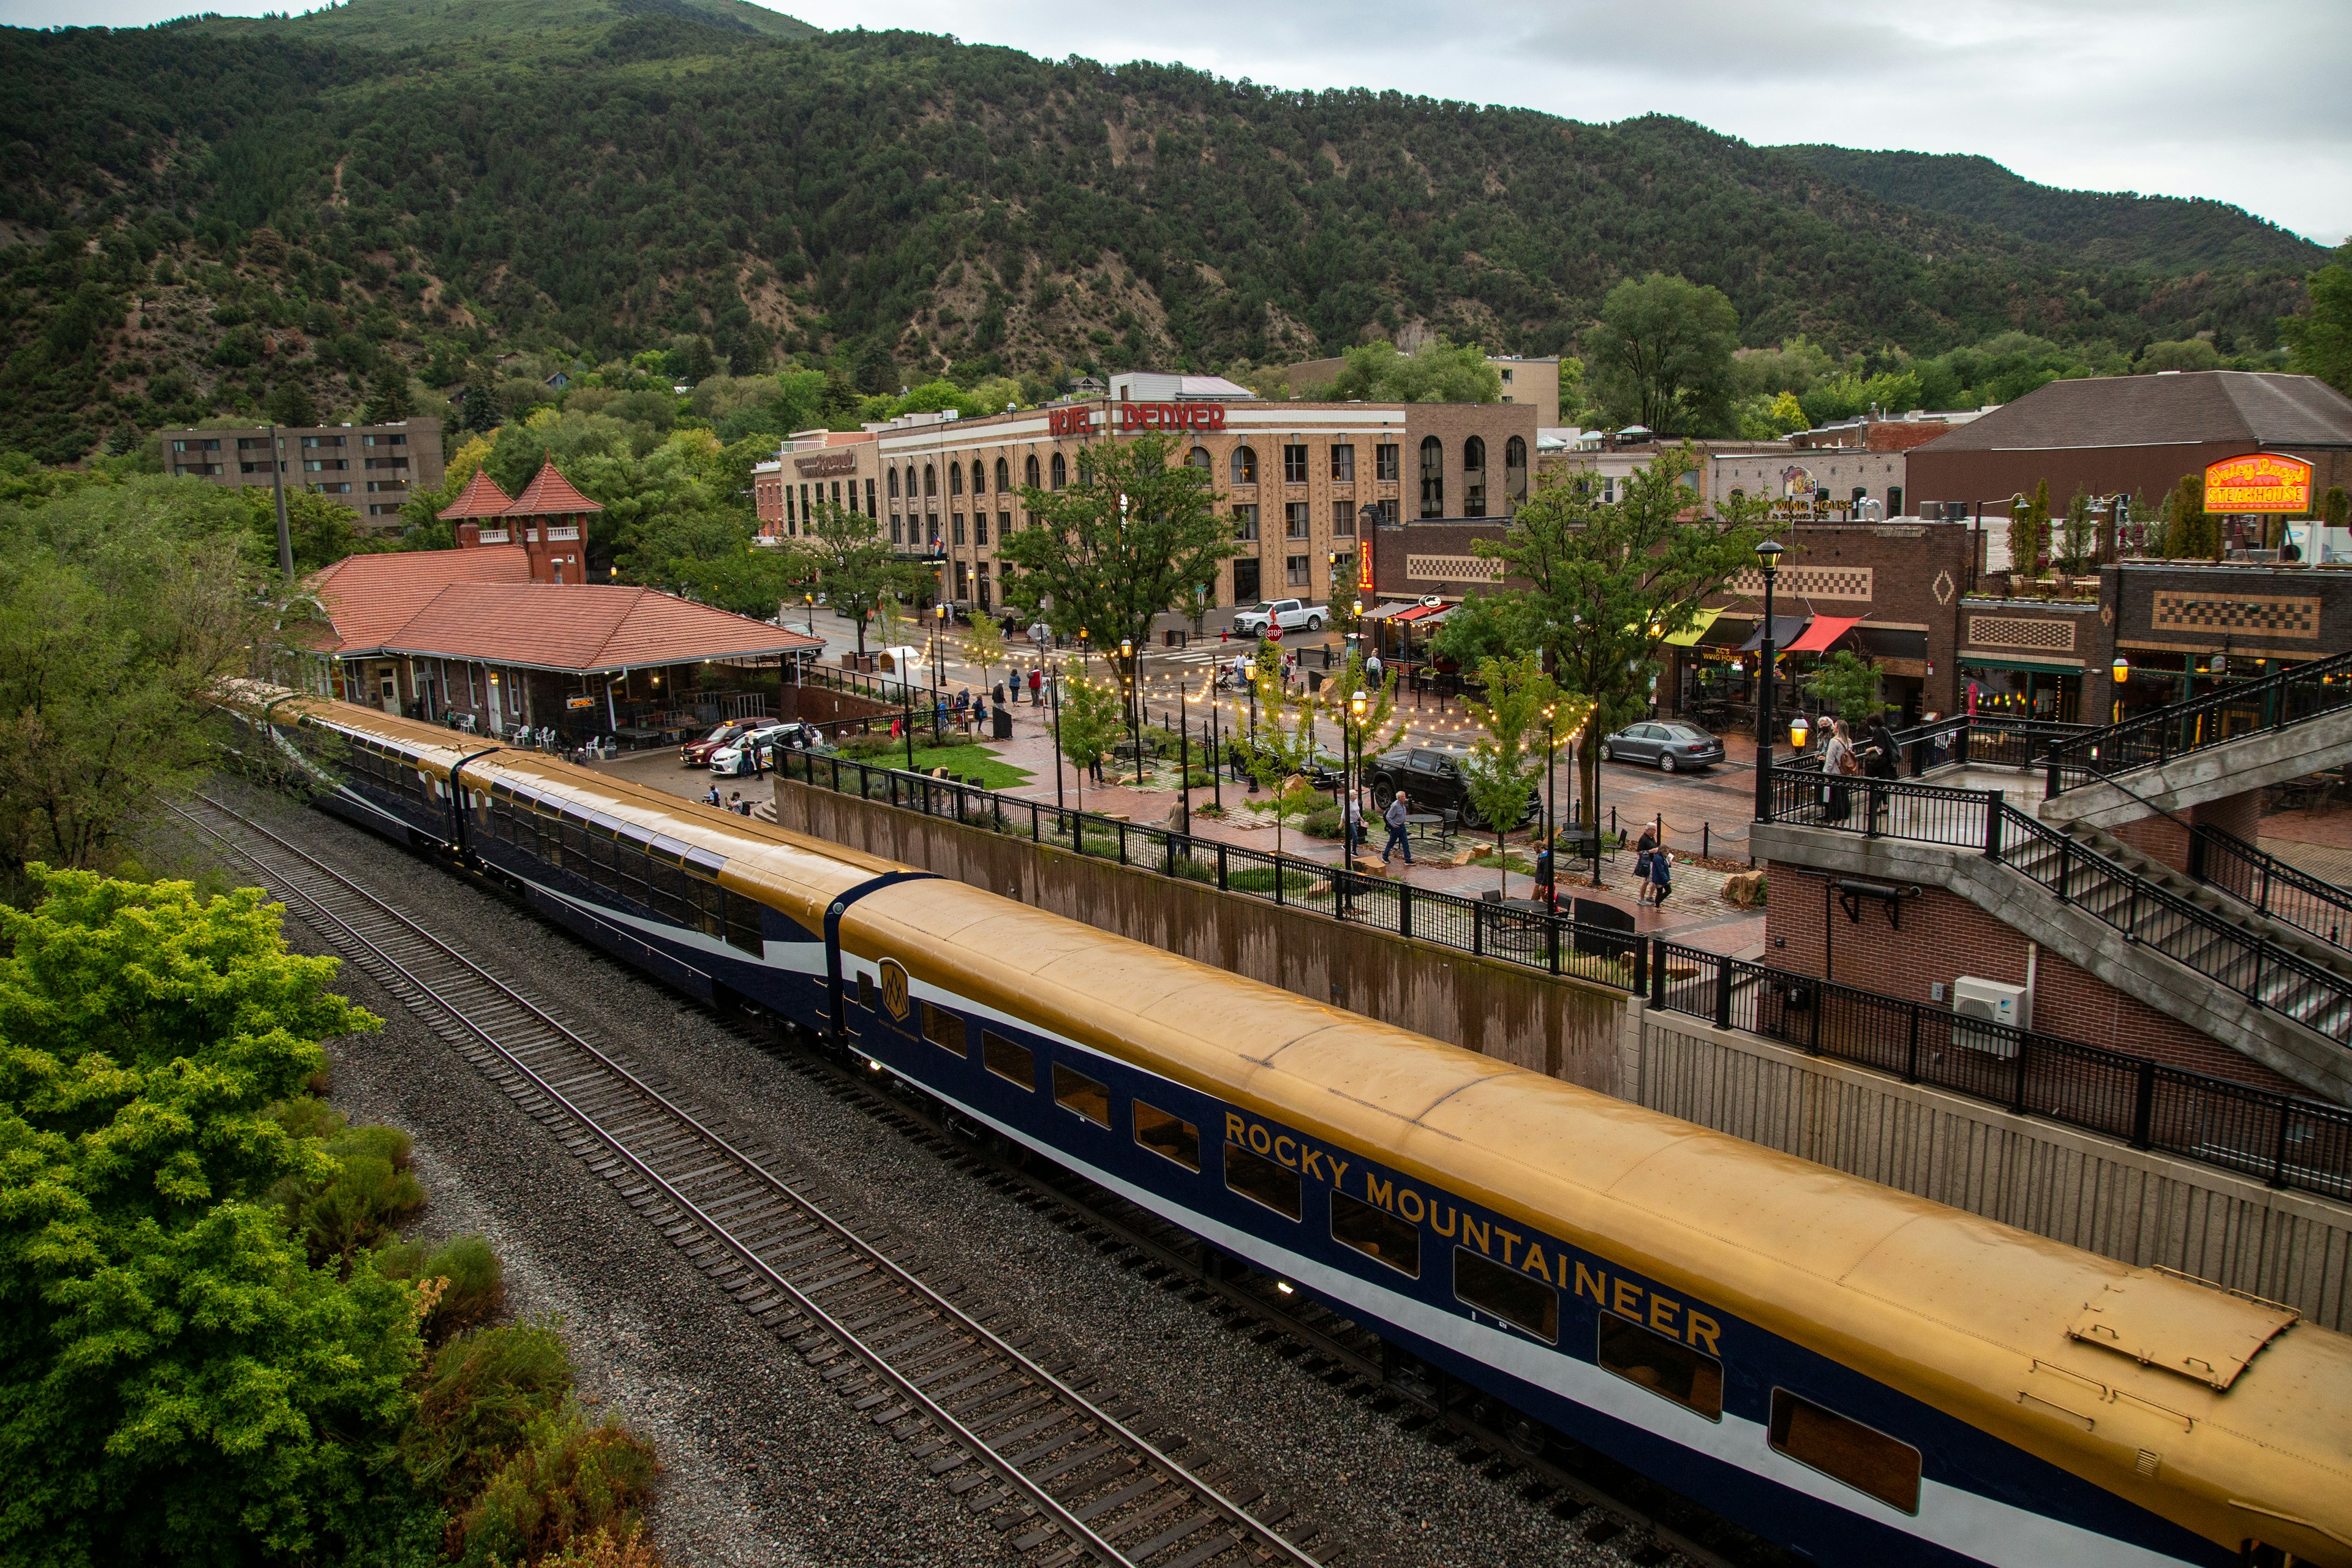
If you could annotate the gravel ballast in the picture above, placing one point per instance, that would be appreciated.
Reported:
(762, 1465)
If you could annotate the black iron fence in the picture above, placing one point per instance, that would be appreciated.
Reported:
(1530, 931)
(2268, 884)
(2283, 1140)
(2292, 696)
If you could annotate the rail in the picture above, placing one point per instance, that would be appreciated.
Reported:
(1982, 740)
(1057, 1451)
(2285, 1140)
(2270, 886)
(2148, 915)
(2278, 701)
(1531, 937)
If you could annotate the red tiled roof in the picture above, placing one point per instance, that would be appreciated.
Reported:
(480, 498)
(368, 597)
(550, 494)
(580, 628)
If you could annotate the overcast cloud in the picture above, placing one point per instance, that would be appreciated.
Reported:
(2239, 101)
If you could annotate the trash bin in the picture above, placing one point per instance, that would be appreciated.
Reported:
(1314, 681)
(1001, 724)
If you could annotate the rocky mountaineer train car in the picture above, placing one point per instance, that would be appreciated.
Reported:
(1863, 1376)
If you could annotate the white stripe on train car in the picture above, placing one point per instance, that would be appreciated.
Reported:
(792, 957)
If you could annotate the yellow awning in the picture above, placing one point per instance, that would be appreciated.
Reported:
(1690, 636)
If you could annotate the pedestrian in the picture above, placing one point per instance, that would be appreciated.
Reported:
(1372, 672)
(1000, 694)
(712, 798)
(1399, 812)
(1662, 877)
(1094, 768)
(1645, 849)
(1839, 762)
(1884, 764)
(1355, 824)
(735, 801)
(962, 705)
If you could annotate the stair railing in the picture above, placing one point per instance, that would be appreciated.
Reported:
(2291, 697)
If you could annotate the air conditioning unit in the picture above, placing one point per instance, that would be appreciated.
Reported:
(1978, 1002)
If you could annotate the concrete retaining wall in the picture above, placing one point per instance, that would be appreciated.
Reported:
(2141, 1207)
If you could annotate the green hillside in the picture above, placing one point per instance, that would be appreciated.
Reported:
(195, 214)
(2164, 233)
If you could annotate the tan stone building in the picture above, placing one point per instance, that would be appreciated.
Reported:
(1294, 477)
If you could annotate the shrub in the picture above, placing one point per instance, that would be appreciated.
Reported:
(569, 1482)
(603, 1549)
(469, 1285)
(1324, 824)
(868, 745)
(1193, 870)
(485, 1392)
(1260, 880)
(307, 1116)
(363, 1204)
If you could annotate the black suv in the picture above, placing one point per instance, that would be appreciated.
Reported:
(1433, 781)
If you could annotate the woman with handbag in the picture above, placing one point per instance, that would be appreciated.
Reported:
(1839, 762)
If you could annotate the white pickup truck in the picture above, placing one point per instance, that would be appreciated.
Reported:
(1289, 614)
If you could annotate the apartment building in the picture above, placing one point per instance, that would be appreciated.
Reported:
(372, 469)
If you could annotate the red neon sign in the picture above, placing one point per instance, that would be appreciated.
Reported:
(1070, 421)
(1172, 416)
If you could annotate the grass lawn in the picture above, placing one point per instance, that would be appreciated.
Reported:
(964, 762)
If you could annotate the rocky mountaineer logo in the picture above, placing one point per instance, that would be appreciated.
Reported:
(894, 988)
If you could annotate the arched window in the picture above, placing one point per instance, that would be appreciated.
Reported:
(1515, 470)
(979, 477)
(1003, 476)
(893, 484)
(955, 478)
(1061, 471)
(1030, 471)
(1474, 477)
(1432, 477)
(931, 480)
(1244, 466)
(1198, 457)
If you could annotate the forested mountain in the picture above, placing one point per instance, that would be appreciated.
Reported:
(2164, 233)
(195, 214)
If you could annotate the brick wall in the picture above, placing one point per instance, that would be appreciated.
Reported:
(2166, 838)
(1944, 936)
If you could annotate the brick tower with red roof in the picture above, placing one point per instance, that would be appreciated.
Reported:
(481, 499)
(550, 520)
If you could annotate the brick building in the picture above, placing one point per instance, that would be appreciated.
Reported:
(549, 520)
(372, 469)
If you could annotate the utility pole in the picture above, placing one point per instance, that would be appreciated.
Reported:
(277, 483)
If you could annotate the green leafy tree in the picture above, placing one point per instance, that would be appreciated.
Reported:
(121, 606)
(1660, 355)
(1436, 371)
(322, 529)
(1089, 720)
(1281, 752)
(479, 409)
(984, 645)
(289, 403)
(388, 400)
(1847, 685)
(1129, 541)
(1510, 758)
(180, 1384)
(2321, 336)
(1609, 584)
(2079, 536)
(2029, 531)
(859, 573)
(2190, 533)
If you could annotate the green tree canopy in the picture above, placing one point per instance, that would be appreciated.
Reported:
(1508, 760)
(1660, 355)
(2321, 336)
(1436, 371)
(855, 567)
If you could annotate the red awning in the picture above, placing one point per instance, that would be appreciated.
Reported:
(1424, 612)
(1825, 630)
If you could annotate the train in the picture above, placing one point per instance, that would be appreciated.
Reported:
(1858, 1376)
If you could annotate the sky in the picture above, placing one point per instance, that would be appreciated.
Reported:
(2239, 102)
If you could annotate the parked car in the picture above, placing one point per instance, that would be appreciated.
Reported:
(1289, 614)
(1671, 743)
(697, 753)
(1433, 781)
(734, 760)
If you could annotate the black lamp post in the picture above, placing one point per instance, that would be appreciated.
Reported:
(1353, 741)
(1767, 558)
(810, 600)
(939, 655)
(1134, 726)
(1053, 695)
(1183, 761)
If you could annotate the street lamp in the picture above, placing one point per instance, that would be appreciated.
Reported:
(1767, 559)
(1799, 732)
(1349, 817)
(1127, 675)
(938, 655)
(810, 600)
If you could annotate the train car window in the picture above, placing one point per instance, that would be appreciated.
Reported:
(1376, 1233)
(743, 924)
(1844, 1449)
(1665, 1367)
(943, 1028)
(1254, 1176)
(1521, 1298)
(867, 998)
(1074, 1090)
(1009, 1059)
(1170, 1137)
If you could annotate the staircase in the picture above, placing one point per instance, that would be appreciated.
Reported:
(2184, 754)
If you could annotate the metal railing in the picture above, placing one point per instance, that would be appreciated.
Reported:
(1982, 740)
(1522, 933)
(2281, 1139)
(2291, 697)
(2211, 944)
(2271, 886)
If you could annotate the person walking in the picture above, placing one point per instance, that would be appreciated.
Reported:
(1661, 877)
(1355, 824)
(1645, 849)
(1398, 815)
(1840, 763)
(1883, 761)
(1036, 684)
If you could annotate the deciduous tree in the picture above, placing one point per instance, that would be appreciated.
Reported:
(1507, 760)
(1660, 355)
(2321, 336)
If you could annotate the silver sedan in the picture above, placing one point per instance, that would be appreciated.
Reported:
(1671, 743)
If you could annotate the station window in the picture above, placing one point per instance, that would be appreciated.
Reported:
(1256, 1177)
(1846, 1451)
(1516, 1297)
(1376, 1233)
(1170, 1137)
(1385, 463)
(1666, 1367)
(1293, 463)
(1343, 463)
(1009, 1059)
(1074, 1090)
(943, 1028)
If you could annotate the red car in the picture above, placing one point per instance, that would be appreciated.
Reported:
(697, 753)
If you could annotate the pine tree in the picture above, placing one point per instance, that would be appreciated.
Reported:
(387, 400)
(289, 404)
(480, 412)
(2028, 529)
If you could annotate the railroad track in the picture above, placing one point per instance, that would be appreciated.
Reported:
(1070, 1473)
